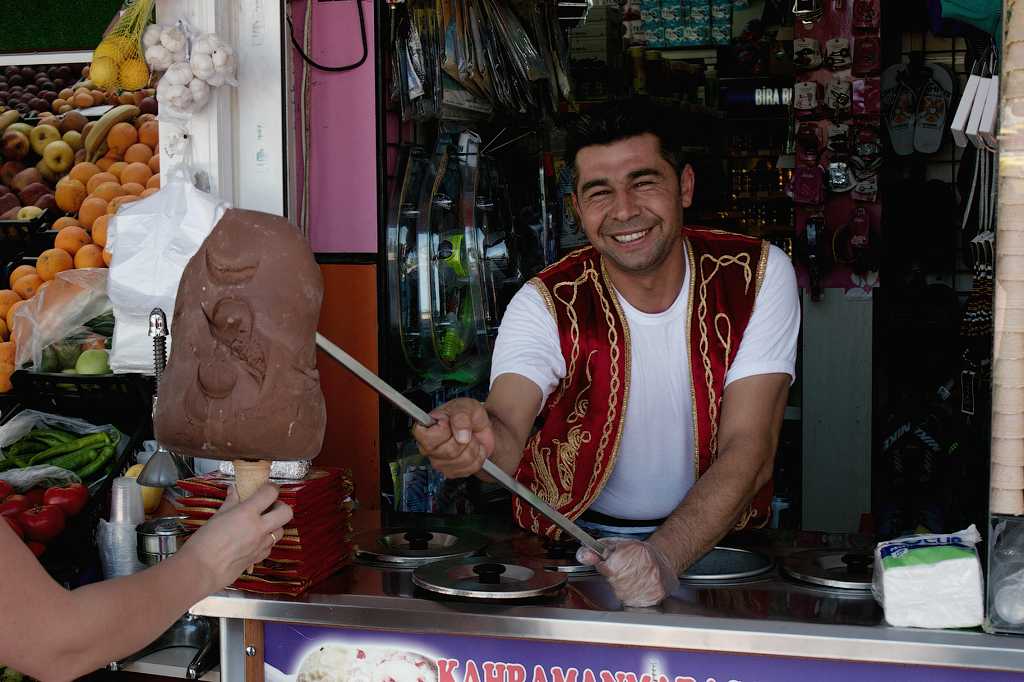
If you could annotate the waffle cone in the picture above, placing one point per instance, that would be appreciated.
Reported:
(250, 474)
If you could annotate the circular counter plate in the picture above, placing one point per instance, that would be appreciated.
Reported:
(727, 563)
(554, 555)
(830, 568)
(460, 578)
(412, 547)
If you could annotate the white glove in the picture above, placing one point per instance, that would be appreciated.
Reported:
(639, 573)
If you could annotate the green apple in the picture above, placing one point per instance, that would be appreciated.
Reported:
(29, 212)
(74, 138)
(21, 127)
(49, 175)
(59, 156)
(42, 135)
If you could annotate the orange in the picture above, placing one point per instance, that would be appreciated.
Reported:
(7, 299)
(153, 182)
(92, 208)
(118, 202)
(5, 334)
(70, 195)
(136, 172)
(133, 188)
(108, 257)
(117, 168)
(122, 136)
(6, 349)
(50, 262)
(82, 99)
(83, 171)
(20, 271)
(149, 192)
(64, 221)
(105, 163)
(108, 190)
(89, 256)
(149, 134)
(27, 286)
(138, 152)
(154, 163)
(71, 239)
(98, 179)
(10, 315)
(99, 230)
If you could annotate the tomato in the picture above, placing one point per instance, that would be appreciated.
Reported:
(15, 527)
(70, 498)
(5, 489)
(35, 496)
(14, 505)
(42, 523)
(37, 548)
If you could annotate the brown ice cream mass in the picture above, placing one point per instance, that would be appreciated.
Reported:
(241, 382)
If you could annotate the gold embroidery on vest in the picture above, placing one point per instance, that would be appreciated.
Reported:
(762, 266)
(545, 484)
(743, 260)
(542, 289)
(577, 436)
(692, 269)
(574, 327)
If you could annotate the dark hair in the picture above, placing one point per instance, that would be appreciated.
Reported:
(617, 121)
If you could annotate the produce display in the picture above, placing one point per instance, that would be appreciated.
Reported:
(88, 456)
(60, 88)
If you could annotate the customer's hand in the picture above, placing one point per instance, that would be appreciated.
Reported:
(638, 572)
(239, 535)
(460, 441)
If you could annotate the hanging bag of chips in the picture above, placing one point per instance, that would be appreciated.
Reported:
(117, 62)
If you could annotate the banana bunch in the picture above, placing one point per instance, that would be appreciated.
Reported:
(96, 141)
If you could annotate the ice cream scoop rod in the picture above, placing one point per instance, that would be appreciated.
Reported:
(492, 469)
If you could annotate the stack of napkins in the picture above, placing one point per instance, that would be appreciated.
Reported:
(930, 581)
(317, 541)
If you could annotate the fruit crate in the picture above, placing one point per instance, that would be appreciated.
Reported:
(21, 239)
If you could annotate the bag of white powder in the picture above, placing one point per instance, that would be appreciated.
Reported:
(930, 581)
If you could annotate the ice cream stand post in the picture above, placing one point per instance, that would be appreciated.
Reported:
(470, 598)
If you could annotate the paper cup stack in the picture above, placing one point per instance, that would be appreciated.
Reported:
(1007, 474)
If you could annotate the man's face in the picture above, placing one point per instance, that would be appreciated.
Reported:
(631, 202)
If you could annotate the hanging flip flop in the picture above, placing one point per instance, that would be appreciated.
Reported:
(899, 105)
(933, 110)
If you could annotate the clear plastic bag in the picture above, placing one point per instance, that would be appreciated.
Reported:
(73, 300)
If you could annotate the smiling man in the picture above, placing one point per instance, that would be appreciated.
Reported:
(657, 363)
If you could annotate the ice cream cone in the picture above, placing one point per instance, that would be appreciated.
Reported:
(250, 474)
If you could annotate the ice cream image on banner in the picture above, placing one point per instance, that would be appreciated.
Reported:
(335, 662)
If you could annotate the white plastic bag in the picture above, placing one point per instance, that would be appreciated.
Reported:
(152, 241)
(930, 581)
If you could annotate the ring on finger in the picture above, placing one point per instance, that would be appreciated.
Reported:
(273, 537)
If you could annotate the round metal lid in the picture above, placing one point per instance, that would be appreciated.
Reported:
(554, 555)
(840, 569)
(727, 563)
(412, 547)
(488, 579)
(163, 526)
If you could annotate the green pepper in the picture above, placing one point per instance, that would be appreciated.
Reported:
(106, 454)
(92, 440)
(75, 460)
(53, 434)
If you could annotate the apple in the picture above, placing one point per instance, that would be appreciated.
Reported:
(59, 156)
(9, 170)
(29, 212)
(25, 178)
(14, 145)
(4, 190)
(31, 194)
(9, 202)
(42, 135)
(21, 127)
(47, 202)
(74, 139)
(72, 120)
(48, 175)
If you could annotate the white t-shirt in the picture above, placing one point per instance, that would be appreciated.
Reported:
(654, 469)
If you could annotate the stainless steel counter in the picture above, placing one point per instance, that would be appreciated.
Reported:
(771, 616)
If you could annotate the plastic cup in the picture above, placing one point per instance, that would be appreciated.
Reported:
(126, 502)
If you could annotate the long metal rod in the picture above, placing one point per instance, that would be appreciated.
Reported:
(414, 411)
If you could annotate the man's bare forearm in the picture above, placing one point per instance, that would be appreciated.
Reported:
(713, 505)
(508, 447)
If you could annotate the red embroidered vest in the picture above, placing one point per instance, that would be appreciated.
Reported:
(568, 461)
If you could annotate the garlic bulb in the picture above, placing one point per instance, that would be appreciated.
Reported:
(202, 65)
(204, 44)
(158, 57)
(200, 93)
(151, 36)
(173, 39)
(177, 96)
(179, 73)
